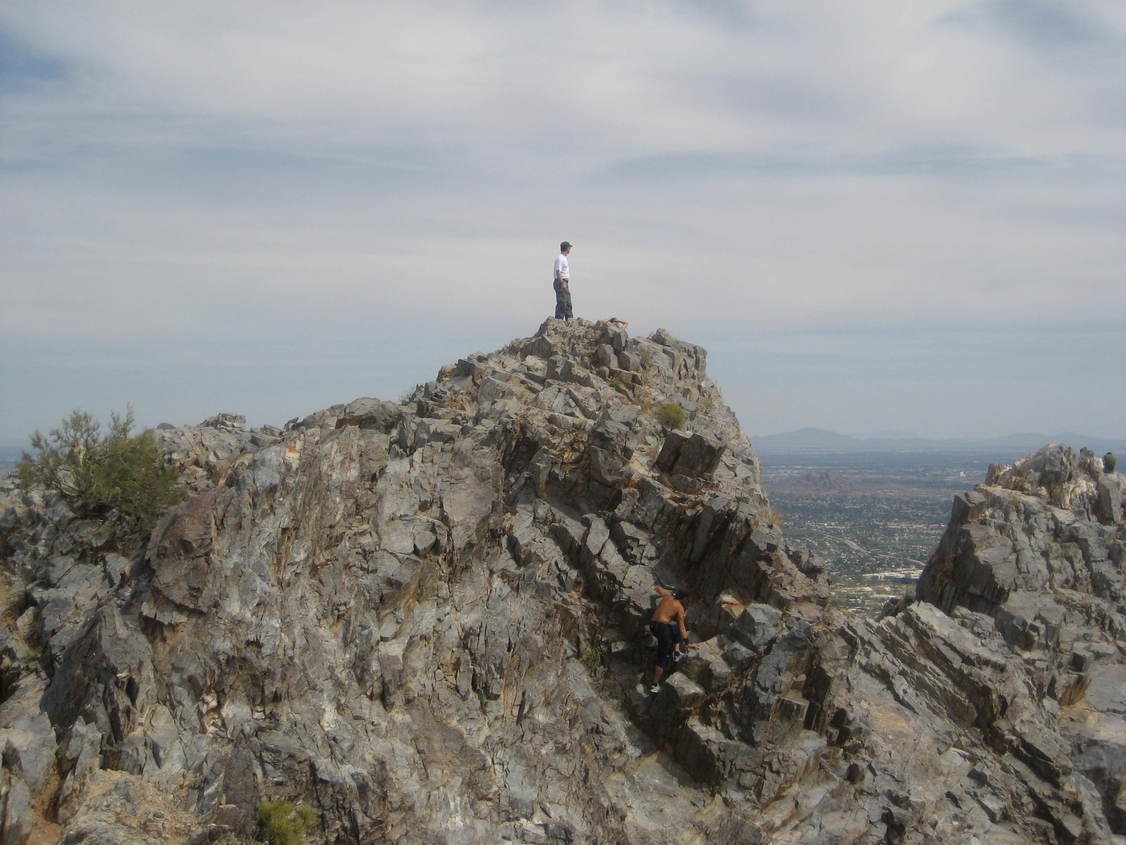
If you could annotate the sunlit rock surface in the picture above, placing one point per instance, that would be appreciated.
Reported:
(426, 620)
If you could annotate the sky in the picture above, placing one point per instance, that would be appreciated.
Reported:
(877, 217)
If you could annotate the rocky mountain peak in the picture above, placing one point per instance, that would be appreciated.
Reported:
(1065, 478)
(427, 620)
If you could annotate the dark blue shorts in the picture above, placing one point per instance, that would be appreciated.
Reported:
(667, 634)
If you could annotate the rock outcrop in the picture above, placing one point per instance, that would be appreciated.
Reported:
(426, 620)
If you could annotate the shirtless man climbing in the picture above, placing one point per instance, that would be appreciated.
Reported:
(667, 625)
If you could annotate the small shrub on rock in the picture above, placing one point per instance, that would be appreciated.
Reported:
(100, 474)
(670, 415)
(593, 657)
(284, 822)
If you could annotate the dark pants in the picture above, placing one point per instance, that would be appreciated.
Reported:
(667, 634)
(562, 300)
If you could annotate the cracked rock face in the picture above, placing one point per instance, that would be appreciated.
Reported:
(427, 620)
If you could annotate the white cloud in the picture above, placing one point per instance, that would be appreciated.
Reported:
(172, 168)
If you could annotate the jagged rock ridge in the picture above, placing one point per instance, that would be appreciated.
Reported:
(426, 619)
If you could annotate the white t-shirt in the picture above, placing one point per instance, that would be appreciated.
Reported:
(562, 267)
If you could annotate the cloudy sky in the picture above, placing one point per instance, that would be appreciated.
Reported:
(877, 216)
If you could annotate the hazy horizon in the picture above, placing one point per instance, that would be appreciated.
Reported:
(878, 217)
(751, 435)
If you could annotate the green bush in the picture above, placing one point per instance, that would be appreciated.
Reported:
(99, 474)
(593, 657)
(670, 415)
(284, 822)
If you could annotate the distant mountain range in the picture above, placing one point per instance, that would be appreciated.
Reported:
(819, 440)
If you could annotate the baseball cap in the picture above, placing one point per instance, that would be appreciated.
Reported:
(566, 245)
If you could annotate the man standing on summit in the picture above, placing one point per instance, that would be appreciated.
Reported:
(562, 283)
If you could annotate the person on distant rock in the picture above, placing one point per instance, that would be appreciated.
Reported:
(562, 283)
(667, 625)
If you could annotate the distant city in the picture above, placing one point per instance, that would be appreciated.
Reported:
(874, 518)
(9, 457)
(875, 507)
